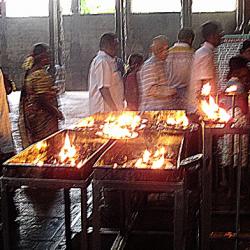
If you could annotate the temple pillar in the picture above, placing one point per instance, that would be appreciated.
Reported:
(186, 13)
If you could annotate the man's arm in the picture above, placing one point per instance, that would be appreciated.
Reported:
(108, 98)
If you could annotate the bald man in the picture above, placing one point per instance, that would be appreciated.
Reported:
(154, 92)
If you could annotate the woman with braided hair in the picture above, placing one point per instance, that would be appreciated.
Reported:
(38, 111)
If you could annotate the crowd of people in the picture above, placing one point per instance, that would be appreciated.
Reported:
(170, 78)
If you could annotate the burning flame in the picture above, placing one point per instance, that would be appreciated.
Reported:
(230, 89)
(41, 145)
(68, 152)
(206, 89)
(86, 122)
(178, 118)
(154, 160)
(120, 127)
(39, 153)
(212, 110)
(129, 120)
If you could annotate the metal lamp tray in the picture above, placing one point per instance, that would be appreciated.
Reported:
(26, 163)
(111, 164)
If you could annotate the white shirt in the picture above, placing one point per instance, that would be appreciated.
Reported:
(6, 142)
(103, 73)
(203, 68)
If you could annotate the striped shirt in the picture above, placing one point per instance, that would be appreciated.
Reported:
(178, 65)
(152, 79)
(178, 70)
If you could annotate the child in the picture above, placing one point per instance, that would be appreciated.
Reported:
(130, 81)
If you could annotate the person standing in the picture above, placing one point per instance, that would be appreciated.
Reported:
(154, 92)
(38, 108)
(6, 141)
(106, 90)
(204, 67)
(178, 66)
(130, 81)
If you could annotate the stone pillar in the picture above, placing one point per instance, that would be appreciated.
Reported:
(242, 16)
(247, 28)
(60, 51)
(128, 28)
(186, 13)
(52, 30)
(133, 41)
(75, 60)
(75, 6)
(119, 25)
(239, 15)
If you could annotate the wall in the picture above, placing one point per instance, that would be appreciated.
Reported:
(82, 37)
(143, 27)
(22, 33)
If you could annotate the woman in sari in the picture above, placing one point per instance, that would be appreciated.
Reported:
(38, 112)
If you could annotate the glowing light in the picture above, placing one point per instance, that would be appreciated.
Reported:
(67, 152)
(18, 8)
(41, 145)
(213, 112)
(120, 127)
(178, 118)
(230, 89)
(154, 160)
(206, 89)
(213, 5)
(86, 122)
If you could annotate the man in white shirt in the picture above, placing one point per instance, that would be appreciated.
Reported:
(178, 66)
(6, 141)
(204, 67)
(106, 90)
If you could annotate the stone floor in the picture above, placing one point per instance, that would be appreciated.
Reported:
(41, 212)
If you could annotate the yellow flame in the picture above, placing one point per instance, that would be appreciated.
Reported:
(158, 163)
(146, 156)
(86, 122)
(213, 112)
(67, 152)
(232, 88)
(178, 118)
(155, 160)
(40, 163)
(41, 145)
(206, 89)
(224, 115)
(121, 126)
